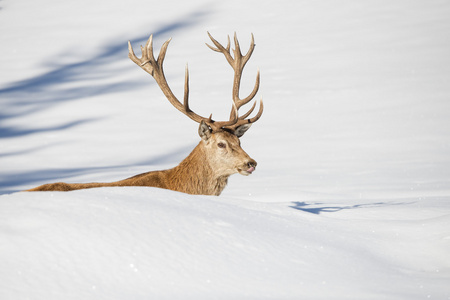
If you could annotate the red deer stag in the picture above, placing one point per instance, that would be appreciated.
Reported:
(218, 155)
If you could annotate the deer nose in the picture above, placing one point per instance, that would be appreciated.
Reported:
(252, 164)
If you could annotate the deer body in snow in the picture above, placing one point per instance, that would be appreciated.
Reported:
(219, 154)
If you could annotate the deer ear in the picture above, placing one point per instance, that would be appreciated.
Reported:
(241, 130)
(204, 131)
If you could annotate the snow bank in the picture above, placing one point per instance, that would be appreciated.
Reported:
(141, 243)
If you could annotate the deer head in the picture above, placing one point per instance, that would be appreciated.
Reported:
(220, 138)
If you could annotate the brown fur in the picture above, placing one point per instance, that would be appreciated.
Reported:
(205, 171)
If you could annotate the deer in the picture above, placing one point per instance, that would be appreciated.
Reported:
(218, 155)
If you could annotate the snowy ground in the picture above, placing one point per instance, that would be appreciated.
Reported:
(351, 197)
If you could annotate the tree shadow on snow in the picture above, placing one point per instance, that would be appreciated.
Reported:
(71, 82)
(45, 90)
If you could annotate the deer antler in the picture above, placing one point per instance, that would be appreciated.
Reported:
(238, 64)
(155, 68)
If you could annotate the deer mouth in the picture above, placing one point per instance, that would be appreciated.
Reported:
(247, 172)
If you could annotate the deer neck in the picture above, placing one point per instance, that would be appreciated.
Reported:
(197, 175)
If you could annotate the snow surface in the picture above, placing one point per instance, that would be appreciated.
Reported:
(351, 197)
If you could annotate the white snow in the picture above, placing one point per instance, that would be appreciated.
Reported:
(351, 196)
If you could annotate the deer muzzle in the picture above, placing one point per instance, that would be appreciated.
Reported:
(249, 168)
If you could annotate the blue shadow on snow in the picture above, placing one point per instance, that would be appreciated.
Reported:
(318, 208)
(42, 92)
(45, 90)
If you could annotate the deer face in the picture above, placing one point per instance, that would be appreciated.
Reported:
(225, 154)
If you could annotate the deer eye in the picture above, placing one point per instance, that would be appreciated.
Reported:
(221, 145)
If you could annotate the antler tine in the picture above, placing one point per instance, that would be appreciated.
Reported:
(249, 112)
(252, 95)
(242, 120)
(221, 49)
(237, 48)
(162, 52)
(186, 89)
(258, 115)
(148, 49)
(131, 54)
(219, 46)
(250, 50)
(155, 68)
